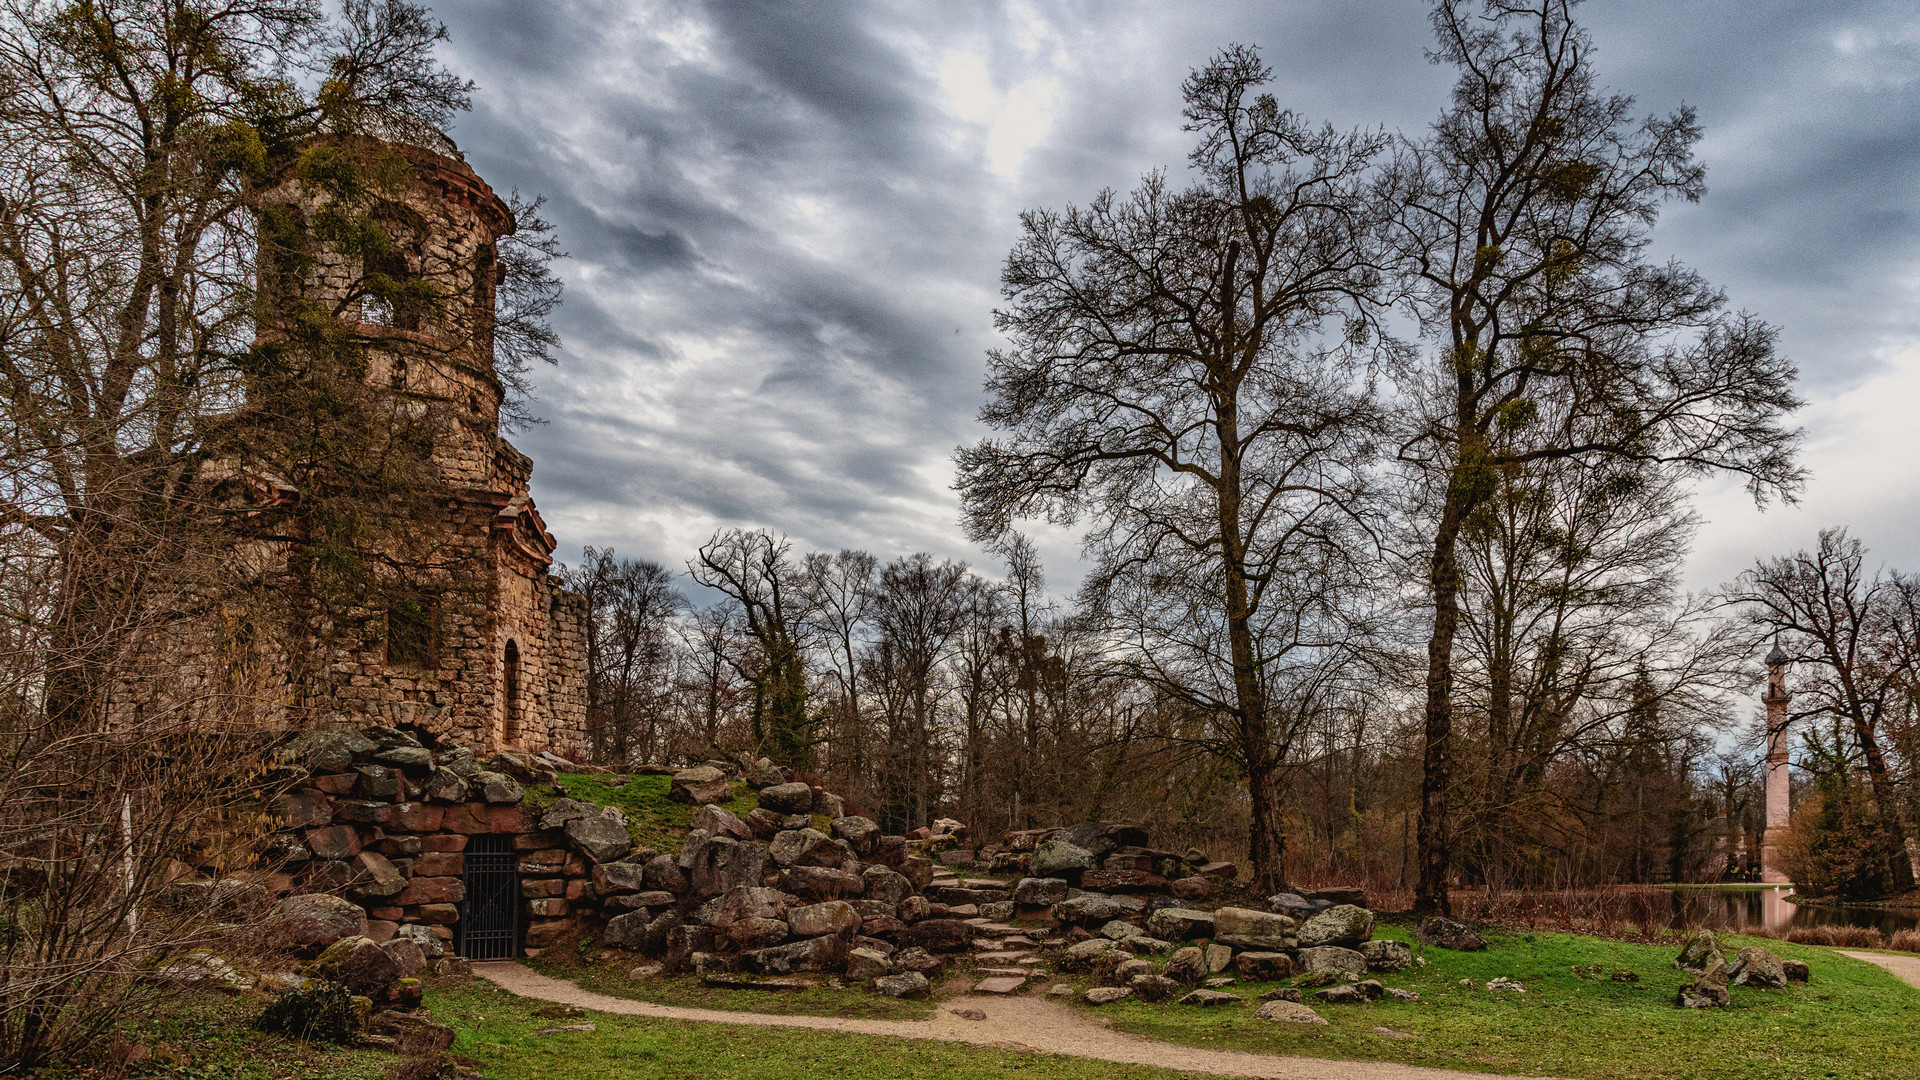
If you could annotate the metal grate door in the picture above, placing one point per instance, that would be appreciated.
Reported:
(489, 927)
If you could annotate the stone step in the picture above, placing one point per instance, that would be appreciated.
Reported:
(989, 928)
(1002, 957)
(1001, 984)
(1012, 972)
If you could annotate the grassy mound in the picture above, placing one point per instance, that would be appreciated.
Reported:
(1853, 1020)
(655, 821)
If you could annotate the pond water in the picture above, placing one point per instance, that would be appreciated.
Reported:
(1774, 909)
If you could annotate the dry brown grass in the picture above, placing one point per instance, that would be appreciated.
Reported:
(1905, 941)
(1849, 937)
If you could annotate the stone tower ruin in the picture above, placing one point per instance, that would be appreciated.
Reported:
(492, 652)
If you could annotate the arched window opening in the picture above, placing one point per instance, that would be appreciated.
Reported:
(511, 695)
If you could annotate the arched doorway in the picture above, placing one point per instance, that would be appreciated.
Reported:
(510, 722)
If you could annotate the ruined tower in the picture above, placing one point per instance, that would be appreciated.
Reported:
(1779, 812)
(491, 650)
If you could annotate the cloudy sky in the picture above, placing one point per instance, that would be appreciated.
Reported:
(786, 223)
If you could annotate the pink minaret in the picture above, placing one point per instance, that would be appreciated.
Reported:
(1778, 807)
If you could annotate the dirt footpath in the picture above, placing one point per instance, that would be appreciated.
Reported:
(1906, 967)
(1028, 1023)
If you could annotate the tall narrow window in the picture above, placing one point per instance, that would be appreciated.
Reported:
(511, 687)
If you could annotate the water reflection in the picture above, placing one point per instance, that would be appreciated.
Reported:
(1774, 909)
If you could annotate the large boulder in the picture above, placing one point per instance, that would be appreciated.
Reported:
(725, 863)
(828, 917)
(1090, 836)
(907, 984)
(1446, 934)
(497, 788)
(601, 837)
(1250, 929)
(719, 821)
(764, 774)
(755, 933)
(1039, 891)
(1091, 909)
(1342, 924)
(1062, 859)
(698, 785)
(1758, 967)
(1291, 1012)
(1701, 951)
(663, 872)
(445, 785)
(1707, 990)
(1386, 955)
(886, 886)
(937, 935)
(813, 954)
(317, 920)
(805, 847)
(864, 963)
(794, 798)
(612, 878)
(1188, 965)
(743, 902)
(1332, 959)
(359, 964)
(860, 834)
(1293, 905)
(1181, 924)
(627, 931)
(821, 883)
(1263, 966)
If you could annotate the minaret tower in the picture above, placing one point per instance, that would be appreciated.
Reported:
(1778, 807)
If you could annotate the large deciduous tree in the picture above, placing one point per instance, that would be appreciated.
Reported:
(1172, 380)
(1520, 233)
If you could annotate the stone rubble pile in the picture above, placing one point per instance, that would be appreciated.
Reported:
(800, 886)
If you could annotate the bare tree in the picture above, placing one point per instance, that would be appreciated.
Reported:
(1833, 617)
(631, 605)
(1520, 238)
(838, 591)
(917, 611)
(1170, 381)
(755, 571)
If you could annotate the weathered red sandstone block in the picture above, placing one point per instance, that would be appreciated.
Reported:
(433, 890)
(467, 818)
(440, 864)
(550, 932)
(576, 888)
(438, 914)
(334, 842)
(550, 908)
(507, 819)
(303, 809)
(443, 842)
(391, 914)
(536, 841)
(543, 862)
(417, 817)
(336, 783)
(540, 888)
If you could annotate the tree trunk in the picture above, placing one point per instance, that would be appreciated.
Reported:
(1436, 856)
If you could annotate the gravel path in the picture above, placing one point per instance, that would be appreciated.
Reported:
(1013, 1023)
(1906, 967)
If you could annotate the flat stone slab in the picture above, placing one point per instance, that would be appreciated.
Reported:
(1009, 972)
(1001, 957)
(740, 982)
(1001, 984)
(992, 929)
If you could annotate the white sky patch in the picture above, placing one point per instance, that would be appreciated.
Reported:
(1863, 450)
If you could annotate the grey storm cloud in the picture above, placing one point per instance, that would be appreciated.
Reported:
(786, 219)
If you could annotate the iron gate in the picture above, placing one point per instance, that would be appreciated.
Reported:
(489, 927)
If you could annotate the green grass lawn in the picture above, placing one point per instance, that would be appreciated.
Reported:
(655, 821)
(496, 1029)
(1853, 1020)
(207, 1035)
(610, 978)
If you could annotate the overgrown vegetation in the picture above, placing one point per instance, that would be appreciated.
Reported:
(611, 978)
(653, 820)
